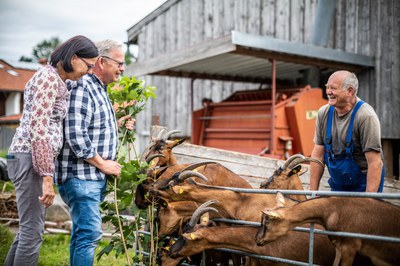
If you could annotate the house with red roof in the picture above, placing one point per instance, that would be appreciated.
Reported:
(13, 77)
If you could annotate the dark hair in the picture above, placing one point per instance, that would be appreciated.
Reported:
(79, 45)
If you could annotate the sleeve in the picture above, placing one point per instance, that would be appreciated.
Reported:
(319, 129)
(78, 120)
(43, 102)
(370, 132)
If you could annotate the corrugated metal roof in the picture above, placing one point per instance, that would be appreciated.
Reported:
(247, 57)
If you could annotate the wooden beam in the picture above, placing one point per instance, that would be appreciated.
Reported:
(180, 58)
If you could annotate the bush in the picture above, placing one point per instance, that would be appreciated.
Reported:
(6, 239)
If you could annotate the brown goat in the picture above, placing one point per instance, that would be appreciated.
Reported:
(355, 215)
(173, 215)
(217, 175)
(234, 205)
(200, 237)
(287, 177)
(162, 146)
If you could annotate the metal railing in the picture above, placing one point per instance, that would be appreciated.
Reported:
(310, 230)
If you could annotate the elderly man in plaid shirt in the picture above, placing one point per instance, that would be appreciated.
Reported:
(90, 146)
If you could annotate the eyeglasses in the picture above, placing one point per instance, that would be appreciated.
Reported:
(120, 64)
(89, 66)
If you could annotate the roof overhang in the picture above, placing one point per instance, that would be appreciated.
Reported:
(248, 57)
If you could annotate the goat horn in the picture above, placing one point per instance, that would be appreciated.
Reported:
(291, 158)
(301, 160)
(146, 151)
(160, 134)
(198, 213)
(195, 165)
(152, 157)
(187, 174)
(169, 134)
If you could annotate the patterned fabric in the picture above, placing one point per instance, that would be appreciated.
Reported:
(90, 128)
(41, 129)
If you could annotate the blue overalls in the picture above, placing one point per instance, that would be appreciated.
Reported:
(346, 175)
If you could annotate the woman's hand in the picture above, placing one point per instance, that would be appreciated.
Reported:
(48, 194)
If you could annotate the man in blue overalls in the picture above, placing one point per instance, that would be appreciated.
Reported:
(347, 139)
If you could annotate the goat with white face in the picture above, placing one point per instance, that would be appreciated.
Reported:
(355, 215)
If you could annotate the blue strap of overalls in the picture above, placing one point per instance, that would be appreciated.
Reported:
(328, 139)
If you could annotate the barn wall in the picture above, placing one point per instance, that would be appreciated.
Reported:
(369, 27)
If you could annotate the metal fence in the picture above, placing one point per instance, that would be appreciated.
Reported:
(310, 230)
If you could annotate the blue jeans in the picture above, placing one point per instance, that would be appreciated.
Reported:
(83, 198)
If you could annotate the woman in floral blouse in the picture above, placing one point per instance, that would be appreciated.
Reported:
(38, 140)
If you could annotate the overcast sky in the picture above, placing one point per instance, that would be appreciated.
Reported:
(25, 23)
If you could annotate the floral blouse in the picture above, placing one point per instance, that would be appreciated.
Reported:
(41, 126)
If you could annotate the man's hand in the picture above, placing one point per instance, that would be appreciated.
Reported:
(129, 124)
(48, 194)
(110, 167)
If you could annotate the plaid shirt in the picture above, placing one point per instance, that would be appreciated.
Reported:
(90, 127)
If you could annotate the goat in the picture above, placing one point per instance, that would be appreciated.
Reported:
(356, 215)
(217, 175)
(287, 177)
(173, 215)
(199, 237)
(161, 149)
(234, 205)
(214, 256)
(162, 146)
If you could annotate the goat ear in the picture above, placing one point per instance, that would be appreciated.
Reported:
(192, 236)
(295, 170)
(279, 164)
(163, 203)
(302, 171)
(178, 142)
(280, 200)
(205, 219)
(179, 189)
(273, 215)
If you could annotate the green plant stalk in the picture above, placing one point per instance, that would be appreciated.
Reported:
(117, 211)
(130, 94)
(119, 223)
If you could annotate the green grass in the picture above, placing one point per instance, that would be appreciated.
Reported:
(6, 239)
(55, 250)
(6, 186)
(3, 153)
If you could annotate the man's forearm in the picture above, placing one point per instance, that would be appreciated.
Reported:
(96, 161)
(374, 176)
(316, 170)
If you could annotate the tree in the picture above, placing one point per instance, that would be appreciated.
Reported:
(42, 50)
(25, 59)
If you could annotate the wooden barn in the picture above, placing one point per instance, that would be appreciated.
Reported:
(193, 50)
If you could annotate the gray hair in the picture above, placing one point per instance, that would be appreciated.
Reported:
(351, 81)
(106, 46)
